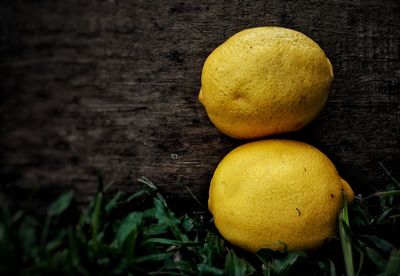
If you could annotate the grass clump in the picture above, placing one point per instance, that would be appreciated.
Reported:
(107, 240)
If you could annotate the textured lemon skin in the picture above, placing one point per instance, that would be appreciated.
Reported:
(268, 192)
(265, 81)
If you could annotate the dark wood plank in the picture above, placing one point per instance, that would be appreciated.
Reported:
(112, 85)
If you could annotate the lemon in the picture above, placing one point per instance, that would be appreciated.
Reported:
(268, 193)
(265, 81)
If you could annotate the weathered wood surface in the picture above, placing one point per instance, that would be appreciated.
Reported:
(112, 85)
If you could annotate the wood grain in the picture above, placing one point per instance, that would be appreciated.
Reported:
(112, 86)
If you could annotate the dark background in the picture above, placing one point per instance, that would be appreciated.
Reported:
(112, 86)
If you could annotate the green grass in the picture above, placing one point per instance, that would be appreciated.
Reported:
(109, 238)
(345, 239)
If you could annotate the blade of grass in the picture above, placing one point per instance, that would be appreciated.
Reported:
(332, 269)
(195, 197)
(170, 242)
(360, 263)
(144, 180)
(127, 233)
(137, 194)
(388, 173)
(61, 204)
(388, 193)
(235, 266)
(379, 243)
(206, 269)
(376, 258)
(384, 194)
(185, 267)
(282, 266)
(95, 220)
(187, 223)
(345, 239)
(165, 273)
(17, 216)
(165, 215)
(45, 230)
(393, 265)
(55, 209)
(383, 216)
(153, 257)
(113, 202)
(213, 250)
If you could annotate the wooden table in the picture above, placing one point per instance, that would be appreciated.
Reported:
(112, 86)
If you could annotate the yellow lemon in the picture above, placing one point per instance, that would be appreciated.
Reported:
(272, 192)
(264, 81)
